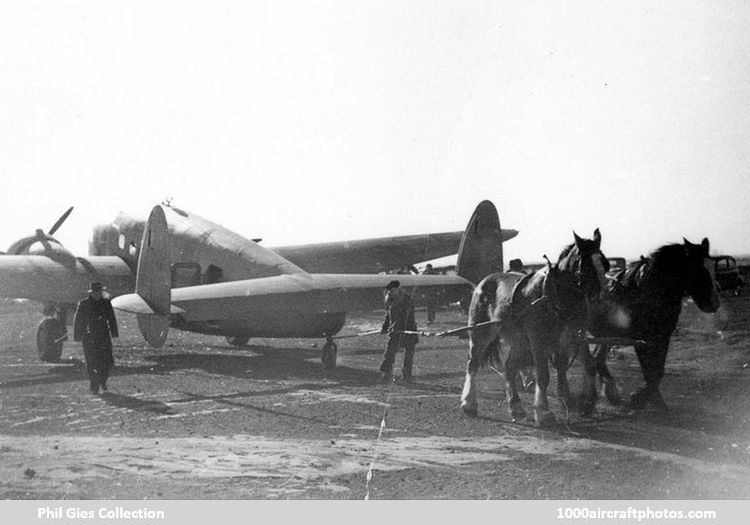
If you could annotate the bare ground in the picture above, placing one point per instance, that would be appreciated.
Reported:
(200, 419)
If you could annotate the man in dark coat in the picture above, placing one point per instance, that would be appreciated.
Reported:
(399, 316)
(94, 323)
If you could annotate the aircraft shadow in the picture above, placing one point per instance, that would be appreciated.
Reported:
(267, 363)
(74, 371)
(133, 403)
(236, 400)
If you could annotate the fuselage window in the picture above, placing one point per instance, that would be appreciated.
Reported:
(214, 274)
(185, 274)
(121, 241)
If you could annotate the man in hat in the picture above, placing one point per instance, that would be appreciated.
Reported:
(93, 324)
(399, 317)
(516, 265)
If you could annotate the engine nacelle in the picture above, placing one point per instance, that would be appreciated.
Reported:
(43, 244)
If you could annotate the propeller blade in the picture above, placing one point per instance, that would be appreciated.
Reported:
(60, 221)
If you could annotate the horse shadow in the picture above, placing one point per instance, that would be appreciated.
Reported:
(682, 433)
(693, 426)
(684, 429)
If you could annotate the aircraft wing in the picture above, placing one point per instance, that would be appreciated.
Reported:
(375, 255)
(41, 278)
(292, 294)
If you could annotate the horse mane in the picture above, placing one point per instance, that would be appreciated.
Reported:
(565, 251)
(668, 256)
(568, 265)
(668, 253)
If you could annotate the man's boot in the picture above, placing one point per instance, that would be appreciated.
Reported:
(386, 371)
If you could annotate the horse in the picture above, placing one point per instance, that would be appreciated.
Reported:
(540, 316)
(644, 303)
(585, 259)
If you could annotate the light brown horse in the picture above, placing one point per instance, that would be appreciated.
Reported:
(540, 317)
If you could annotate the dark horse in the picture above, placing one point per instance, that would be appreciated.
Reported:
(644, 303)
(539, 316)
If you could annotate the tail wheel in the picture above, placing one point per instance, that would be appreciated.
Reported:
(329, 355)
(50, 335)
(237, 340)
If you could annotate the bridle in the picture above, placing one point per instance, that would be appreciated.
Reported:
(576, 262)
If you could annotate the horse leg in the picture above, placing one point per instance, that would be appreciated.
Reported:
(611, 391)
(518, 346)
(589, 394)
(477, 344)
(542, 415)
(511, 389)
(652, 358)
(563, 388)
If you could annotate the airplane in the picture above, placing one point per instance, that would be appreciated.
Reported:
(195, 253)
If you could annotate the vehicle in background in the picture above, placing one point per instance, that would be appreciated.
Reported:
(532, 267)
(616, 265)
(727, 274)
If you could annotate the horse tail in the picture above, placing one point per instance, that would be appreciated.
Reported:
(484, 312)
(491, 355)
(487, 292)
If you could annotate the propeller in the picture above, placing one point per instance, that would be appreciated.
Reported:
(22, 245)
(60, 221)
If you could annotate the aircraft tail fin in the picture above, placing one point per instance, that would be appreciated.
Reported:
(481, 249)
(152, 281)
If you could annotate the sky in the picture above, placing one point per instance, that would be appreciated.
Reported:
(312, 121)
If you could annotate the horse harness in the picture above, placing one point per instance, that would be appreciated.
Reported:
(546, 301)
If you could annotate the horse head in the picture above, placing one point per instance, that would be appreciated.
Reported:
(586, 261)
(699, 276)
(562, 290)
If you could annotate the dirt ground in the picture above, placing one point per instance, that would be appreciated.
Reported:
(200, 419)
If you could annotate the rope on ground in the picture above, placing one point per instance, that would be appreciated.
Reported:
(370, 470)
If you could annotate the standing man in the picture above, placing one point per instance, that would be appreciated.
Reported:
(399, 316)
(94, 323)
(430, 297)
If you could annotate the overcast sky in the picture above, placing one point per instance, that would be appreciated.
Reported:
(305, 121)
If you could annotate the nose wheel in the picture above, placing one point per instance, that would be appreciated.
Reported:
(328, 355)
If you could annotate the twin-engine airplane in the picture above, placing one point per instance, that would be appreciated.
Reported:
(191, 274)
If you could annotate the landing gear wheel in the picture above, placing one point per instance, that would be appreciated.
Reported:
(329, 355)
(237, 340)
(50, 335)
